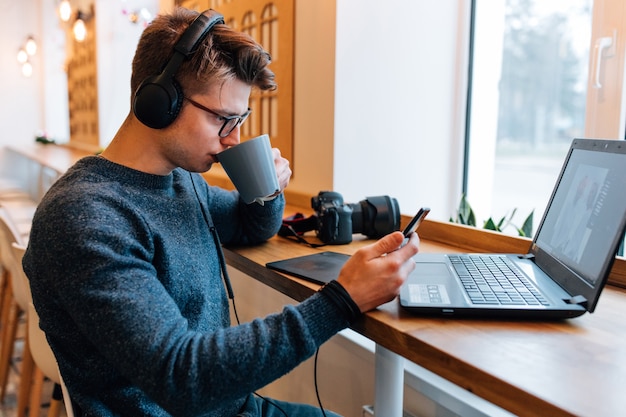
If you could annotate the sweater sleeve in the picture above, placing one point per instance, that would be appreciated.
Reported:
(239, 223)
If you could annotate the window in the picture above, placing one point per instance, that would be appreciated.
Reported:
(528, 101)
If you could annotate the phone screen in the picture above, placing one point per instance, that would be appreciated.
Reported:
(415, 221)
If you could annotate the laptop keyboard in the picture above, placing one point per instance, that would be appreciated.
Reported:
(491, 279)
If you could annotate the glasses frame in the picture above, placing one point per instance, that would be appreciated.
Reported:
(227, 119)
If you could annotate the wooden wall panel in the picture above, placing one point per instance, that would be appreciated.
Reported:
(271, 23)
(82, 79)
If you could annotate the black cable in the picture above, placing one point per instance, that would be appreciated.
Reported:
(218, 246)
(293, 235)
(317, 393)
(226, 278)
(267, 400)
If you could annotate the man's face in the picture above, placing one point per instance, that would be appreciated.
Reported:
(193, 140)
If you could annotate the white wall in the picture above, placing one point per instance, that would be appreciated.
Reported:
(117, 40)
(54, 78)
(21, 108)
(399, 101)
(380, 100)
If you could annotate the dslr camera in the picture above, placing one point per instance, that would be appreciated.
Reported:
(336, 222)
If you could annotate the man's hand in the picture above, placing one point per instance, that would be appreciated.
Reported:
(374, 274)
(283, 171)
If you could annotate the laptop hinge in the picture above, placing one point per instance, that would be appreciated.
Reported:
(527, 256)
(577, 299)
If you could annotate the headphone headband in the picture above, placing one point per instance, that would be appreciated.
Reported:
(197, 31)
(159, 98)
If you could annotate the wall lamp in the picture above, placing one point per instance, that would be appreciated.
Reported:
(65, 10)
(76, 20)
(27, 50)
(79, 29)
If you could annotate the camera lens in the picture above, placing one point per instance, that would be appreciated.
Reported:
(375, 216)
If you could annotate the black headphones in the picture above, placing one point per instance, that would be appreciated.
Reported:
(159, 98)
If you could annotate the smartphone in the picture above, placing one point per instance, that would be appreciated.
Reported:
(415, 222)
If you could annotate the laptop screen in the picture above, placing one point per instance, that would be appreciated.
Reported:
(584, 222)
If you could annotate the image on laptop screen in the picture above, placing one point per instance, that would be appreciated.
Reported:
(584, 219)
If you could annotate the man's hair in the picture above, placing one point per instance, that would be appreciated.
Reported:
(222, 55)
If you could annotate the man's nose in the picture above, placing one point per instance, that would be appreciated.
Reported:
(233, 138)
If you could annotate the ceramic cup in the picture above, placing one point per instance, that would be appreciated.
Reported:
(250, 166)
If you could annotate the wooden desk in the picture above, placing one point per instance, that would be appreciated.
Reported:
(573, 367)
(38, 166)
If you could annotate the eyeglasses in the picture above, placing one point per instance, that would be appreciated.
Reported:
(230, 122)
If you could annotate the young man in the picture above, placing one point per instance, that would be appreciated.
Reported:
(124, 257)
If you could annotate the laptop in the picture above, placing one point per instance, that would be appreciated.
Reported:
(560, 277)
(570, 257)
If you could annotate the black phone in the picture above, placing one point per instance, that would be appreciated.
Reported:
(415, 221)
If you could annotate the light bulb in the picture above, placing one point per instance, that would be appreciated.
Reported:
(65, 10)
(27, 69)
(22, 56)
(80, 31)
(31, 46)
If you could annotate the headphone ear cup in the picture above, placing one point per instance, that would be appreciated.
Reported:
(158, 101)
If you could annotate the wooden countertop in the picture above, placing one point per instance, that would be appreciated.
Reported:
(56, 157)
(558, 368)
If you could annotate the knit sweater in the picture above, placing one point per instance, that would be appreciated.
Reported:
(126, 278)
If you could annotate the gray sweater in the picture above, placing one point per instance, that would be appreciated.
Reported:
(125, 276)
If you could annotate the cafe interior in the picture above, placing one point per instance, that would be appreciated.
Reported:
(370, 102)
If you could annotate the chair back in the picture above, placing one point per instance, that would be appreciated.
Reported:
(8, 237)
(19, 281)
(38, 343)
(39, 347)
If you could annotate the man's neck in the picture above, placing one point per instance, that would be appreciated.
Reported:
(134, 147)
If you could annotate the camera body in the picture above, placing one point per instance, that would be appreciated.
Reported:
(337, 222)
(334, 218)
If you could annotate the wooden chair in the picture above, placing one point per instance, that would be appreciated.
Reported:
(42, 361)
(10, 311)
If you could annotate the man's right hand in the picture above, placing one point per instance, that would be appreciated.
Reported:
(375, 273)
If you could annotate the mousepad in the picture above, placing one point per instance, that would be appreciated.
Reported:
(320, 267)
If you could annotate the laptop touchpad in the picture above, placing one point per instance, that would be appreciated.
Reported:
(432, 269)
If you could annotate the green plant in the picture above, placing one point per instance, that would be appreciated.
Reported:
(465, 215)
(44, 138)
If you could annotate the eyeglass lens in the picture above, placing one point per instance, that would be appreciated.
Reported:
(231, 123)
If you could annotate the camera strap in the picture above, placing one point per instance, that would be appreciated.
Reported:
(295, 226)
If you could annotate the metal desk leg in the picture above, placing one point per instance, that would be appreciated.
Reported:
(389, 383)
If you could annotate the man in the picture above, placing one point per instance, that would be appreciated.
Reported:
(124, 256)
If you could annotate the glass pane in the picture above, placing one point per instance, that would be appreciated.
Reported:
(531, 59)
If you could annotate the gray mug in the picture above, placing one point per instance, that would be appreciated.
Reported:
(250, 166)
